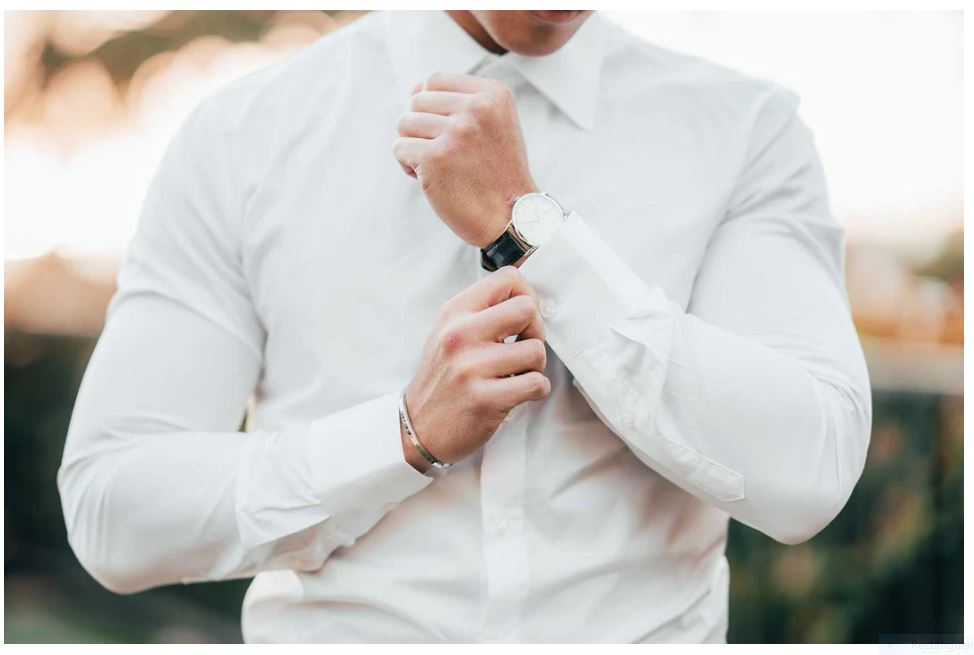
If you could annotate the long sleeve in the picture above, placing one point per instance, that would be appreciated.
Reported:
(756, 397)
(157, 484)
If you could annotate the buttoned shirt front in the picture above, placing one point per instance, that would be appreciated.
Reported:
(701, 354)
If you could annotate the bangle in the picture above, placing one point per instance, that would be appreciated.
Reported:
(411, 433)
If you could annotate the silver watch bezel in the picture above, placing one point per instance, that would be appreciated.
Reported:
(513, 227)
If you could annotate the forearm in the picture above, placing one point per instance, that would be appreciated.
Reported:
(191, 506)
(158, 488)
(163, 511)
(746, 428)
(755, 428)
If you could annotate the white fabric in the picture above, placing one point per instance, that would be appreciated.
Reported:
(702, 357)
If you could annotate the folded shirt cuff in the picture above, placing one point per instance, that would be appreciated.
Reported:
(583, 287)
(615, 333)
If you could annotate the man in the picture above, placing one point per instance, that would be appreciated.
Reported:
(659, 222)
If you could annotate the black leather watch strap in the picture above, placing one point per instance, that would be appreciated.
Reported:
(504, 251)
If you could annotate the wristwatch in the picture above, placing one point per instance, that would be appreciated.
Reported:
(535, 217)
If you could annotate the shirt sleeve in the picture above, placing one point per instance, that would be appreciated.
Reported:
(157, 484)
(756, 397)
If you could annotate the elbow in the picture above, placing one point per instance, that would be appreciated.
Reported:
(806, 517)
(117, 579)
(808, 503)
(90, 534)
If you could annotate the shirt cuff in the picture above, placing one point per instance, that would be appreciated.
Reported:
(347, 468)
(359, 471)
(615, 333)
(583, 287)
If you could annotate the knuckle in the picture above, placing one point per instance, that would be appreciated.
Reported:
(464, 126)
(511, 275)
(544, 386)
(462, 370)
(524, 306)
(501, 90)
(450, 337)
(480, 105)
(538, 352)
(537, 385)
(435, 79)
(440, 150)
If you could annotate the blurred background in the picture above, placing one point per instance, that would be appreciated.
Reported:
(91, 99)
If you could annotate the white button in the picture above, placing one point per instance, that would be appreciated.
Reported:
(549, 308)
(627, 421)
(502, 526)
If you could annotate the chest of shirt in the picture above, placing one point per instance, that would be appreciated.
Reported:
(348, 264)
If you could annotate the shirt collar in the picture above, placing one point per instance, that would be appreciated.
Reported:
(423, 42)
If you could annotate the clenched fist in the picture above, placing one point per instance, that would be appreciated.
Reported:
(469, 378)
(462, 140)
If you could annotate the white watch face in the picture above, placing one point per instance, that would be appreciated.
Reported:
(536, 217)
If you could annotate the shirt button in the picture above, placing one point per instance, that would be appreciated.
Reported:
(627, 421)
(503, 526)
(549, 308)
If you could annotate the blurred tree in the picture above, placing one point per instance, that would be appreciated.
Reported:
(948, 264)
(127, 49)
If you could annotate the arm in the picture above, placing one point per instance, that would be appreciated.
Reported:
(756, 398)
(157, 484)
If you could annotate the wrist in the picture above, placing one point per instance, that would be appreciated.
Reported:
(500, 217)
(410, 454)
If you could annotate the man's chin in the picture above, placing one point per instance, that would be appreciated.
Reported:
(559, 17)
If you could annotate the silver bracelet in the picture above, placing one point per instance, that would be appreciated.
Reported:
(411, 433)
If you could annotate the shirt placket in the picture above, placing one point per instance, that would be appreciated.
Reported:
(503, 486)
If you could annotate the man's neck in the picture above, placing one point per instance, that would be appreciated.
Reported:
(476, 31)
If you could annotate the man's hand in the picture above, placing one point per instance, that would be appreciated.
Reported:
(469, 379)
(462, 140)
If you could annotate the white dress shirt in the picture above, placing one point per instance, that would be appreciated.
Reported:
(702, 357)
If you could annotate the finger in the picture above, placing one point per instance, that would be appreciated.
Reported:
(455, 82)
(417, 88)
(503, 359)
(497, 287)
(407, 170)
(516, 389)
(422, 125)
(443, 103)
(409, 150)
(515, 316)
